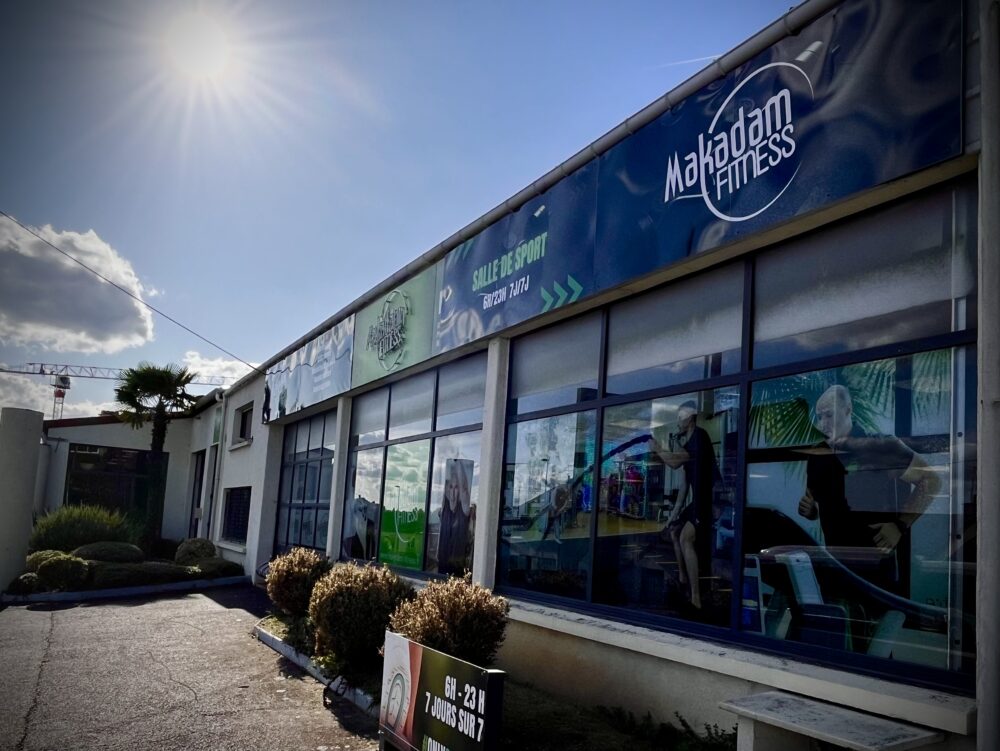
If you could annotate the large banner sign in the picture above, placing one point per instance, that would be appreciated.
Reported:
(538, 259)
(315, 371)
(867, 93)
(434, 702)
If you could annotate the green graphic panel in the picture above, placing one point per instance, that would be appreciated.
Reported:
(404, 505)
(394, 332)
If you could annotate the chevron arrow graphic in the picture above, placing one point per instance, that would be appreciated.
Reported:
(561, 291)
(547, 298)
(574, 285)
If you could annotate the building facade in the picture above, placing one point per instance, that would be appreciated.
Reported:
(709, 402)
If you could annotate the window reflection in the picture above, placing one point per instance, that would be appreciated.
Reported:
(856, 513)
(548, 500)
(454, 498)
(665, 524)
(361, 510)
(404, 517)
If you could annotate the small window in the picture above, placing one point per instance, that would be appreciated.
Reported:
(236, 515)
(243, 424)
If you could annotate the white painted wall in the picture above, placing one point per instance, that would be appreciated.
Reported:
(257, 464)
(20, 432)
(120, 435)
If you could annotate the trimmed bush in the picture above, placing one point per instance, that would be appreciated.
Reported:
(195, 549)
(36, 559)
(65, 573)
(69, 527)
(291, 577)
(216, 568)
(456, 617)
(25, 584)
(113, 552)
(106, 575)
(350, 609)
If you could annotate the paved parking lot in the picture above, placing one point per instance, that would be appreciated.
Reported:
(169, 673)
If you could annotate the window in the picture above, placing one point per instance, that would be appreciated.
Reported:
(243, 424)
(115, 478)
(411, 497)
(779, 452)
(306, 483)
(236, 515)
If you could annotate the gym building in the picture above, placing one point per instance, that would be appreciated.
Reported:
(713, 402)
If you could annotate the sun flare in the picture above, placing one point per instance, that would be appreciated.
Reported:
(199, 47)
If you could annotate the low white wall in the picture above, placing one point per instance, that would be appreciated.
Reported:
(597, 662)
(20, 433)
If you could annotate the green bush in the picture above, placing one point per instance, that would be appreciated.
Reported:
(350, 609)
(195, 549)
(25, 584)
(113, 552)
(36, 559)
(65, 573)
(216, 568)
(69, 527)
(457, 617)
(291, 577)
(107, 575)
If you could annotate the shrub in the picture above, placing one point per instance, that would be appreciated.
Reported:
(291, 577)
(107, 575)
(216, 568)
(350, 609)
(65, 572)
(69, 527)
(456, 617)
(25, 584)
(195, 549)
(113, 552)
(163, 549)
(36, 559)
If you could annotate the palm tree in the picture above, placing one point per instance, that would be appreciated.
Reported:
(149, 392)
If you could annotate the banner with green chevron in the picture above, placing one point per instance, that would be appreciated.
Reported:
(535, 260)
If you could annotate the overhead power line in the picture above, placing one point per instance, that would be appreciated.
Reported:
(92, 371)
(134, 297)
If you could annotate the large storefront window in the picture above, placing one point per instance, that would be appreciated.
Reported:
(860, 508)
(115, 478)
(413, 478)
(306, 483)
(780, 451)
(665, 528)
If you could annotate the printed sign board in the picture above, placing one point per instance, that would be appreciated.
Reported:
(395, 331)
(316, 371)
(537, 259)
(434, 702)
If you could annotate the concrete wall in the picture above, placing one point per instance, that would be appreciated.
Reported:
(176, 503)
(256, 464)
(20, 433)
(602, 663)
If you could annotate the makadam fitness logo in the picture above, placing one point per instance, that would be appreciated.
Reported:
(387, 336)
(735, 153)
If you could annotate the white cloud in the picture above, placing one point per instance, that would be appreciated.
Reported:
(25, 392)
(48, 301)
(218, 366)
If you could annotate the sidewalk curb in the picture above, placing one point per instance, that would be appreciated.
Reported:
(357, 697)
(124, 592)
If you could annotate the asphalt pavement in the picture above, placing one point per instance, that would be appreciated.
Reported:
(179, 672)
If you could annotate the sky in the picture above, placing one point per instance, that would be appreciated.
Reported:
(250, 168)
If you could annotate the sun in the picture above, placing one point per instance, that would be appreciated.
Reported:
(199, 47)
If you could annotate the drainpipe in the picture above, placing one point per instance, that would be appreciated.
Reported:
(988, 469)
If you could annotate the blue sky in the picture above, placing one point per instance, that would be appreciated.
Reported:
(252, 173)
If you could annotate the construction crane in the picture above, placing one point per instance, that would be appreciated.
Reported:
(60, 375)
(90, 371)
